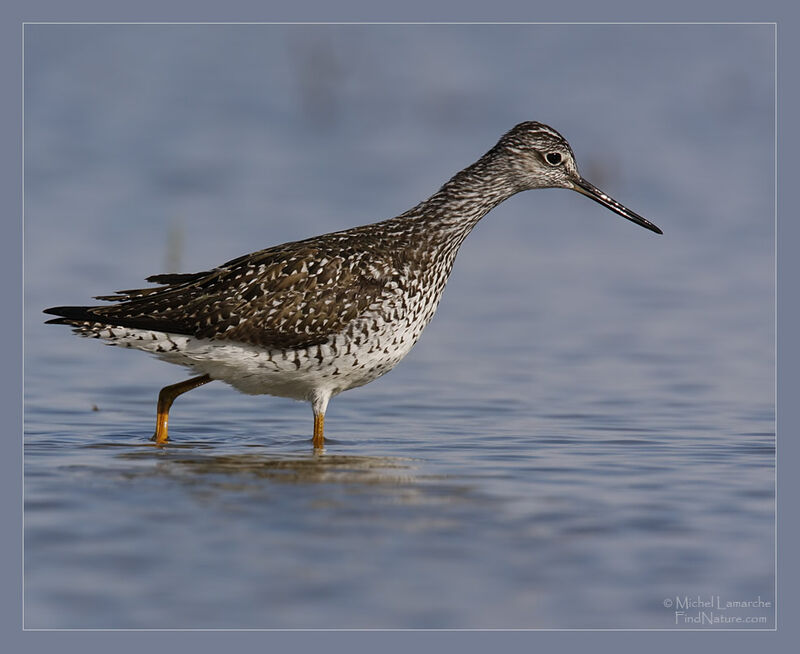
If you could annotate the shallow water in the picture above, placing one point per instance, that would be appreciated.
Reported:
(585, 432)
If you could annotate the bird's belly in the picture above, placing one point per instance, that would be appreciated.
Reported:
(356, 357)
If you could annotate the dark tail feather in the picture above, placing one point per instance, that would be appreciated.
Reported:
(72, 315)
(169, 279)
(174, 278)
(69, 314)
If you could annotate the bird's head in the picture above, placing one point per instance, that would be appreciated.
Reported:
(537, 156)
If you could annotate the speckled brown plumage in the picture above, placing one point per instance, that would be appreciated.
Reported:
(288, 297)
(312, 318)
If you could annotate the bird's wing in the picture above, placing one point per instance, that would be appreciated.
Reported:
(288, 297)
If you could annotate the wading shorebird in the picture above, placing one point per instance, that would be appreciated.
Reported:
(312, 318)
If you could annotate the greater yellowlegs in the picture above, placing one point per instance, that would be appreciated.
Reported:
(312, 318)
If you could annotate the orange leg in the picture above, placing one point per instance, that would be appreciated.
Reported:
(165, 399)
(319, 423)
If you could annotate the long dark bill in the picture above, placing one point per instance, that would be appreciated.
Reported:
(591, 191)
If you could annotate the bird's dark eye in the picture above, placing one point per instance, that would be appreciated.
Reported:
(553, 158)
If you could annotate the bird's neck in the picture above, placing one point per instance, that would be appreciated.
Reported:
(467, 197)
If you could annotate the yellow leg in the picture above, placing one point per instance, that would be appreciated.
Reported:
(165, 399)
(319, 424)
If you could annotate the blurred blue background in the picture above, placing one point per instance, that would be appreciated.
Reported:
(586, 428)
